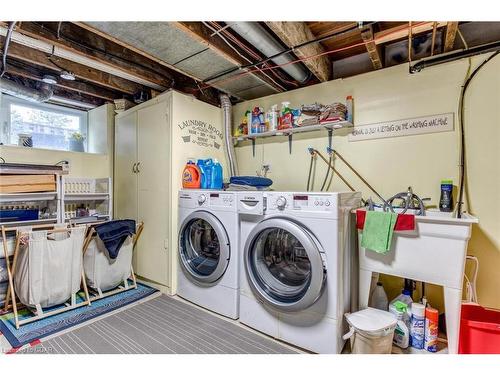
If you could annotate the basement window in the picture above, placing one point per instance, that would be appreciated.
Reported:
(42, 125)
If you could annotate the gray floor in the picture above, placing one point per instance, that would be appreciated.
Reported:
(161, 325)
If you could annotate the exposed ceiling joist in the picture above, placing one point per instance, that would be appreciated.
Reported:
(401, 32)
(75, 86)
(202, 34)
(295, 33)
(451, 33)
(42, 59)
(373, 49)
(84, 44)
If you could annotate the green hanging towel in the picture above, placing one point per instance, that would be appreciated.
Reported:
(378, 231)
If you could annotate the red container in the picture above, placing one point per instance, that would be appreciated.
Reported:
(479, 330)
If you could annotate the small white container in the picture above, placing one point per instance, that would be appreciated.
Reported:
(371, 331)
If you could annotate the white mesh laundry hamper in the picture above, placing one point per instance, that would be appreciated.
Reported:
(49, 267)
(103, 273)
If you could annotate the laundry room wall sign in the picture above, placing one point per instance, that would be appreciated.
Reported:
(399, 128)
(200, 133)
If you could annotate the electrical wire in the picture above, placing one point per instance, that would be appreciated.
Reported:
(462, 132)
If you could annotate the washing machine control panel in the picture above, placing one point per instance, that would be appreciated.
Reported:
(300, 202)
(222, 200)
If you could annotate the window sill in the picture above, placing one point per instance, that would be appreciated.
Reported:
(16, 147)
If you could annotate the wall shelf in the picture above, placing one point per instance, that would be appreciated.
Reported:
(95, 194)
(330, 127)
(86, 197)
(28, 197)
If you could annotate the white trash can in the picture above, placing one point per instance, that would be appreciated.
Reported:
(370, 331)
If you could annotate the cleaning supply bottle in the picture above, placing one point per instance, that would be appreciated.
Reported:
(272, 116)
(205, 166)
(402, 332)
(191, 176)
(417, 327)
(286, 117)
(446, 199)
(350, 108)
(379, 298)
(406, 299)
(431, 329)
(216, 178)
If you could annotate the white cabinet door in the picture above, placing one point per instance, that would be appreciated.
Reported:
(153, 192)
(125, 180)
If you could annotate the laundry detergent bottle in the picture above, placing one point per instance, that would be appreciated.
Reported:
(205, 166)
(191, 176)
(216, 176)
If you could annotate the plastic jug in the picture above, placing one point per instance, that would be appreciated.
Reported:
(217, 177)
(191, 177)
(205, 166)
(379, 298)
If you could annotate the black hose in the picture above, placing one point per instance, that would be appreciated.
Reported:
(8, 36)
(462, 133)
(327, 172)
(310, 172)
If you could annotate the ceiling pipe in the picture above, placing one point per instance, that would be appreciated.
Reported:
(27, 93)
(452, 56)
(64, 53)
(262, 40)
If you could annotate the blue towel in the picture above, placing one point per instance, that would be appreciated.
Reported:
(114, 233)
(251, 181)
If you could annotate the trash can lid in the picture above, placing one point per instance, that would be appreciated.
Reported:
(371, 320)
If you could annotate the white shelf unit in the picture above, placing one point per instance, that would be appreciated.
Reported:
(50, 200)
(92, 193)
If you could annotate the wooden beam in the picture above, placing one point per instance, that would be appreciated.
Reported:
(39, 58)
(86, 44)
(76, 86)
(401, 32)
(202, 34)
(295, 33)
(372, 48)
(451, 33)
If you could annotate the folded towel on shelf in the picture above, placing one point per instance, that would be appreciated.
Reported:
(378, 231)
(114, 233)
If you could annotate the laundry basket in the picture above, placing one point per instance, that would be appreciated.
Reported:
(103, 273)
(370, 331)
(48, 268)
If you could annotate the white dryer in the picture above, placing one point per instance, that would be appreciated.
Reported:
(295, 277)
(208, 250)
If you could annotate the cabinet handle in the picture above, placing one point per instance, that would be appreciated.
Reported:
(134, 168)
(137, 168)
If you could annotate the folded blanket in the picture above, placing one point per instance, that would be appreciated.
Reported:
(251, 181)
(114, 233)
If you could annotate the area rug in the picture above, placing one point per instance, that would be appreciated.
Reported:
(31, 333)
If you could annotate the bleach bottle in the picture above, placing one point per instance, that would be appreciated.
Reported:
(216, 176)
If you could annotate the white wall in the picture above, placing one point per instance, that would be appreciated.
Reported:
(392, 164)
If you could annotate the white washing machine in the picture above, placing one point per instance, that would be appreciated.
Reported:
(208, 250)
(295, 277)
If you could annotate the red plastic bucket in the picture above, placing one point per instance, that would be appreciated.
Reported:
(479, 330)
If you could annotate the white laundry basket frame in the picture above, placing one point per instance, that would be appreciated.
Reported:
(11, 292)
(121, 288)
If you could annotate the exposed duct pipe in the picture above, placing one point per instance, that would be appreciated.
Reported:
(227, 123)
(6, 47)
(26, 93)
(258, 37)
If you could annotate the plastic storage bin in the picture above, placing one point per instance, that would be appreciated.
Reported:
(479, 330)
(370, 331)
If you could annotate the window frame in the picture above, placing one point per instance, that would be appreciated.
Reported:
(5, 117)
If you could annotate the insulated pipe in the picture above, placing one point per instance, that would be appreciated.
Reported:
(258, 37)
(227, 123)
(26, 93)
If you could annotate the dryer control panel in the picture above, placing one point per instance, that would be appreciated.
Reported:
(311, 202)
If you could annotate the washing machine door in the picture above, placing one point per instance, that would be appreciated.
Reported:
(204, 248)
(284, 265)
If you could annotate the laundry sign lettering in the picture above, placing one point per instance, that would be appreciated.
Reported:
(200, 133)
(400, 128)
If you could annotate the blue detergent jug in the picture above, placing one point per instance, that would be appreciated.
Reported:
(205, 166)
(217, 177)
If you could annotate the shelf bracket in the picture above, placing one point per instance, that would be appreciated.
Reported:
(253, 147)
(330, 136)
(290, 143)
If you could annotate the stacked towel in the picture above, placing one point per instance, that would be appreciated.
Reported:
(249, 183)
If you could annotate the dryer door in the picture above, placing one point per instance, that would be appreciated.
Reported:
(204, 248)
(284, 265)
